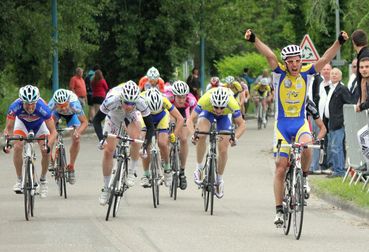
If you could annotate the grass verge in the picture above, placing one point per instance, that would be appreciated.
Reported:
(335, 187)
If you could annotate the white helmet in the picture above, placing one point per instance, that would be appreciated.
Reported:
(154, 100)
(290, 51)
(264, 81)
(220, 97)
(229, 79)
(180, 88)
(130, 92)
(153, 73)
(61, 96)
(29, 94)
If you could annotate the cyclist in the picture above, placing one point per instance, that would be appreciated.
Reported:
(161, 110)
(291, 81)
(122, 104)
(218, 103)
(262, 91)
(151, 79)
(214, 82)
(238, 90)
(30, 113)
(65, 104)
(179, 95)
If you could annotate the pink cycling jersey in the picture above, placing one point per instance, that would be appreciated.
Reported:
(189, 105)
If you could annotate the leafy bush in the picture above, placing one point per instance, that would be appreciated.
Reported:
(234, 65)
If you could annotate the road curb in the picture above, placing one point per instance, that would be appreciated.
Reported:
(342, 204)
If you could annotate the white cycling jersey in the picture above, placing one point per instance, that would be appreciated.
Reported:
(112, 104)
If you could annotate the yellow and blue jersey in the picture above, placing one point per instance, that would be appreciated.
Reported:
(291, 91)
(204, 104)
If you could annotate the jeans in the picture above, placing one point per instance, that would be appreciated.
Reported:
(316, 152)
(335, 151)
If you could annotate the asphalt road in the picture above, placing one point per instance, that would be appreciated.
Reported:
(242, 220)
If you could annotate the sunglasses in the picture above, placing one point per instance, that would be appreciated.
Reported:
(215, 107)
(129, 103)
(290, 62)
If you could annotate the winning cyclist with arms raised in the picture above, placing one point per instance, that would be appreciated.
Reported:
(291, 81)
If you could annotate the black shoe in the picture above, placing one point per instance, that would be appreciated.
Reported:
(182, 182)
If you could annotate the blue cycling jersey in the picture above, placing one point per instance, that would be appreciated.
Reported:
(34, 120)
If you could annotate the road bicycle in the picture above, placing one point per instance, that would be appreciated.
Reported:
(260, 113)
(117, 184)
(60, 171)
(30, 181)
(294, 194)
(156, 176)
(174, 164)
(210, 168)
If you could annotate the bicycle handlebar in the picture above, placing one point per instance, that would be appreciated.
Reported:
(124, 138)
(30, 138)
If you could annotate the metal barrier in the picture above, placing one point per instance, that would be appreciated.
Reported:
(354, 122)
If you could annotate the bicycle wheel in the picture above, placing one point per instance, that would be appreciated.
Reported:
(121, 189)
(205, 192)
(63, 172)
(27, 187)
(112, 190)
(287, 204)
(154, 179)
(298, 210)
(213, 166)
(174, 166)
(260, 112)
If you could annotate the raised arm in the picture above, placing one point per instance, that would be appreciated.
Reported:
(331, 51)
(262, 48)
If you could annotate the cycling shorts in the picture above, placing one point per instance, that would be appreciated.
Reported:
(113, 121)
(72, 120)
(224, 122)
(160, 120)
(21, 129)
(286, 129)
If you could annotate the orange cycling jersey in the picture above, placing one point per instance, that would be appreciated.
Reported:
(144, 84)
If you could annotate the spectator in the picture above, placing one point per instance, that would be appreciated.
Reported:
(88, 79)
(338, 96)
(364, 72)
(78, 86)
(247, 77)
(352, 84)
(319, 92)
(360, 43)
(99, 89)
(193, 82)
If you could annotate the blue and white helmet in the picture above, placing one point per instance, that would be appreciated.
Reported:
(229, 79)
(61, 96)
(264, 81)
(154, 100)
(153, 73)
(220, 97)
(29, 94)
(290, 51)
